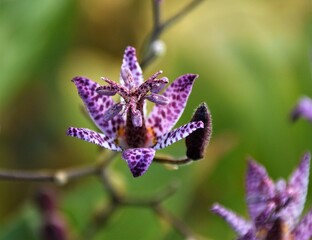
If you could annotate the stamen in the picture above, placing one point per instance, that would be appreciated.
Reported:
(106, 90)
(112, 111)
(157, 98)
(157, 87)
(136, 118)
(120, 89)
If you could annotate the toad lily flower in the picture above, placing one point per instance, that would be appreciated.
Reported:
(303, 109)
(123, 124)
(274, 208)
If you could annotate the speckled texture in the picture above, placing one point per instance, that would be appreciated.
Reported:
(177, 134)
(93, 137)
(130, 61)
(275, 208)
(163, 118)
(124, 124)
(97, 105)
(138, 159)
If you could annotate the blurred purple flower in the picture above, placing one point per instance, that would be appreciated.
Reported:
(123, 124)
(274, 208)
(302, 109)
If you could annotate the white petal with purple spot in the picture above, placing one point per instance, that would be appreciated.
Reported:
(138, 159)
(177, 134)
(97, 105)
(93, 137)
(163, 118)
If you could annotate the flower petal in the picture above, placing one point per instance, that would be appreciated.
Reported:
(303, 109)
(97, 105)
(163, 118)
(239, 225)
(260, 189)
(303, 231)
(298, 187)
(138, 159)
(177, 134)
(93, 137)
(130, 61)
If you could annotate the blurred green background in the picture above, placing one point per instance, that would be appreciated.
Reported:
(254, 62)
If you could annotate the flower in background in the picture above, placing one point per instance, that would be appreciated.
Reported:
(124, 124)
(274, 208)
(303, 109)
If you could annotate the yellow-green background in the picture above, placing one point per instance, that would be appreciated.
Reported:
(254, 62)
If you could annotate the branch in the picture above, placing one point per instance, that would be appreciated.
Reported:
(172, 161)
(149, 52)
(61, 176)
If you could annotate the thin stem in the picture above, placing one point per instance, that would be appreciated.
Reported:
(61, 176)
(158, 28)
(172, 161)
(188, 8)
(180, 226)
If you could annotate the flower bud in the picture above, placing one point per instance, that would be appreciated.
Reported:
(196, 142)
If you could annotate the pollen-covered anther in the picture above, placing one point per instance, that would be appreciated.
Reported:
(157, 98)
(106, 90)
(112, 111)
(158, 86)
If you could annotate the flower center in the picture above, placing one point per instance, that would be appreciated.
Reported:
(132, 103)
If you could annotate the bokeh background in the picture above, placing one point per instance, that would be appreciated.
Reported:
(254, 62)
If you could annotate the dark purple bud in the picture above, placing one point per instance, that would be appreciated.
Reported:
(46, 200)
(54, 228)
(157, 98)
(196, 142)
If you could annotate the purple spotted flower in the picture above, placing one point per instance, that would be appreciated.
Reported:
(303, 109)
(124, 124)
(274, 208)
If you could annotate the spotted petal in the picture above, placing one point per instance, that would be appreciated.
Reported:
(239, 225)
(97, 105)
(130, 62)
(298, 187)
(138, 159)
(93, 137)
(163, 118)
(259, 187)
(303, 230)
(177, 134)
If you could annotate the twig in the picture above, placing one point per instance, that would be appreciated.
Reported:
(172, 161)
(158, 28)
(61, 176)
(180, 226)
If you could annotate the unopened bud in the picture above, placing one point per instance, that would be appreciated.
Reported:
(54, 228)
(159, 47)
(46, 200)
(197, 141)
